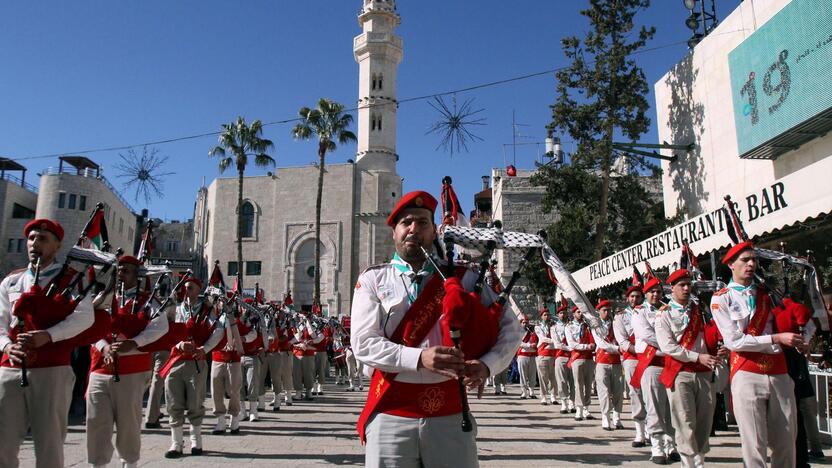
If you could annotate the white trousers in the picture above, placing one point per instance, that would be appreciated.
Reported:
(637, 408)
(610, 386)
(526, 368)
(764, 406)
(119, 404)
(692, 412)
(563, 376)
(583, 371)
(394, 441)
(546, 376)
(658, 406)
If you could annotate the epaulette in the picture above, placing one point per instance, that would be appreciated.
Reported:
(721, 291)
(15, 272)
(374, 267)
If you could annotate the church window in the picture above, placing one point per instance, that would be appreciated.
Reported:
(378, 123)
(380, 83)
(253, 268)
(232, 269)
(248, 219)
(372, 122)
(373, 85)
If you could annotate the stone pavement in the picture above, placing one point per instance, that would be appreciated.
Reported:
(512, 432)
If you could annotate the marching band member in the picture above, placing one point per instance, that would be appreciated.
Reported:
(608, 373)
(625, 337)
(545, 358)
(526, 356)
(227, 371)
(321, 357)
(563, 374)
(763, 393)
(271, 363)
(184, 378)
(254, 341)
(41, 406)
(658, 425)
(417, 422)
(680, 332)
(282, 383)
(116, 398)
(579, 339)
(303, 370)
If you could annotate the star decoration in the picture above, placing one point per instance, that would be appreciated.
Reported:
(143, 172)
(453, 124)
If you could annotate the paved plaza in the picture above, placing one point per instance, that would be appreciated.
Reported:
(512, 432)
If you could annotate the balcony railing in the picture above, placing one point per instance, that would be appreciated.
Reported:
(18, 181)
(92, 175)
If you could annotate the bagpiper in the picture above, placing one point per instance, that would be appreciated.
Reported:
(563, 374)
(608, 373)
(625, 337)
(546, 353)
(526, 356)
(579, 339)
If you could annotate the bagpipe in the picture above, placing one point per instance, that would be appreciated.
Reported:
(176, 331)
(41, 308)
(466, 322)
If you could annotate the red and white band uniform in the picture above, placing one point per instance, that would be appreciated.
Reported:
(609, 381)
(119, 403)
(303, 368)
(321, 360)
(254, 342)
(282, 350)
(580, 342)
(563, 374)
(271, 364)
(658, 423)
(546, 353)
(622, 325)
(185, 382)
(419, 425)
(157, 383)
(691, 397)
(762, 391)
(227, 375)
(526, 357)
(43, 405)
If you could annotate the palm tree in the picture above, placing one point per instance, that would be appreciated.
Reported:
(238, 142)
(330, 124)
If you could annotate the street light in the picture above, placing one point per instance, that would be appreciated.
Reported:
(709, 20)
(553, 148)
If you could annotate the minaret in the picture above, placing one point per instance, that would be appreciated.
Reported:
(378, 52)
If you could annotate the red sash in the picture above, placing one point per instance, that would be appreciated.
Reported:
(603, 357)
(646, 359)
(586, 338)
(412, 400)
(628, 355)
(198, 333)
(546, 349)
(672, 367)
(758, 363)
(528, 338)
(562, 352)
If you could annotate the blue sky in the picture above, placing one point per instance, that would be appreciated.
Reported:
(93, 74)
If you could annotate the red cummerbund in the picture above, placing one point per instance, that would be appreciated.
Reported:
(758, 363)
(421, 400)
(225, 356)
(603, 357)
(49, 355)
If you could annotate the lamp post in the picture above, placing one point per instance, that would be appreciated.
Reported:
(708, 17)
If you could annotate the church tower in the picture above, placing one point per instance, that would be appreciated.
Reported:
(378, 52)
(378, 187)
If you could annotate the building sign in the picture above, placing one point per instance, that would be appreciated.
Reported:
(174, 262)
(780, 76)
(793, 198)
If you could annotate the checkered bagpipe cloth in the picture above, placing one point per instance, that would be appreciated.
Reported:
(810, 277)
(478, 238)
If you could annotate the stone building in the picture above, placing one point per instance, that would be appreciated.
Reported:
(68, 194)
(18, 201)
(279, 209)
(173, 242)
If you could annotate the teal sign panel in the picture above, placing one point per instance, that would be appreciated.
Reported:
(781, 75)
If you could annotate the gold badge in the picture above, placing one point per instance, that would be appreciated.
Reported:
(765, 364)
(431, 400)
(418, 201)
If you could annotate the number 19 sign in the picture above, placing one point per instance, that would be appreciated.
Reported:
(781, 75)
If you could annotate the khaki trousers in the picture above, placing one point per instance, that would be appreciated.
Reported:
(354, 374)
(637, 408)
(656, 403)
(526, 366)
(321, 368)
(185, 393)
(692, 412)
(226, 379)
(563, 376)
(610, 385)
(271, 366)
(303, 372)
(283, 382)
(251, 366)
(157, 387)
(115, 403)
(764, 406)
(394, 441)
(42, 406)
(583, 371)
(546, 376)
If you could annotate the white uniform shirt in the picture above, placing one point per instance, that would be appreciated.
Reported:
(732, 313)
(600, 334)
(544, 336)
(644, 323)
(379, 303)
(622, 327)
(671, 323)
(186, 310)
(152, 332)
(16, 284)
(573, 337)
(559, 333)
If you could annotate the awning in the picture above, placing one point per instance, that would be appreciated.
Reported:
(803, 194)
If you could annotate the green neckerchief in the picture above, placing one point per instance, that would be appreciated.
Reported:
(685, 311)
(45, 272)
(416, 278)
(748, 292)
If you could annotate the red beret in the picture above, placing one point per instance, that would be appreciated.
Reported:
(195, 280)
(734, 251)
(44, 224)
(603, 303)
(248, 300)
(522, 317)
(129, 260)
(574, 309)
(417, 199)
(678, 275)
(650, 284)
(632, 289)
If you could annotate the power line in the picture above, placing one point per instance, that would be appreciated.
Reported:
(285, 121)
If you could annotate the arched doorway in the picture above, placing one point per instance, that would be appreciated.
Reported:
(303, 272)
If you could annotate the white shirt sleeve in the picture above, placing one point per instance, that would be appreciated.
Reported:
(153, 331)
(667, 341)
(733, 330)
(601, 342)
(5, 314)
(79, 320)
(214, 339)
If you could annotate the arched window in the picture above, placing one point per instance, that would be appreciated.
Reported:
(378, 124)
(372, 122)
(247, 213)
(375, 80)
(379, 78)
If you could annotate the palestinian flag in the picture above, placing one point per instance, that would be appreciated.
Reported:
(216, 279)
(146, 247)
(94, 235)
